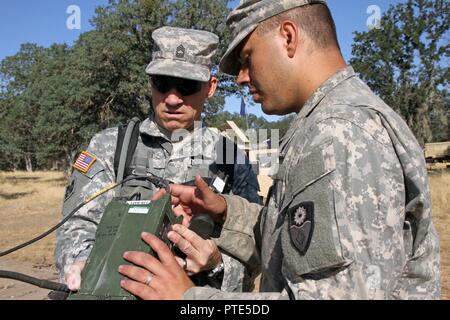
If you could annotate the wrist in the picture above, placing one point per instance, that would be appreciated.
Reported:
(223, 215)
(216, 271)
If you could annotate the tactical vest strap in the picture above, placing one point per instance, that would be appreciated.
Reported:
(141, 159)
(127, 140)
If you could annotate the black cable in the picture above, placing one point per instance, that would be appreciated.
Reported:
(46, 284)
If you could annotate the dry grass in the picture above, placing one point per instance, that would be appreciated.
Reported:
(440, 195)
(31, 202)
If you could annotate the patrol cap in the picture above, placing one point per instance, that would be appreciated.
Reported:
(183, 53)
(244, 19)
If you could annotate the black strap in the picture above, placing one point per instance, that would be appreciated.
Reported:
(120, 137)
(131, 147)
(227, 169)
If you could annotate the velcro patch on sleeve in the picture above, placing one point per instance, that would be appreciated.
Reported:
(84, 162)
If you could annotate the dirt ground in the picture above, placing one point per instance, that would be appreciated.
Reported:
(31, 203)
(16, 290)
(440, 197)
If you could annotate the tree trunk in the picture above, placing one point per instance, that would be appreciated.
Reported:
(55, 165)
(28, 163)
(67, 164)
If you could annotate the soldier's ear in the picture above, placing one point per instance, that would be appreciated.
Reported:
(213, 82)
(291, 34)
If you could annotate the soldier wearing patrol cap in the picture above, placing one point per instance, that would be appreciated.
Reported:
(181, 81)
(349, 212)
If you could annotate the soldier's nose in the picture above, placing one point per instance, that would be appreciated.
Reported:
(173, 98)
(243, 77)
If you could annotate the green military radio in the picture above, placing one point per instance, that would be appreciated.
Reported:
(119, 231)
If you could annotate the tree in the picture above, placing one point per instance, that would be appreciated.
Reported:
(19, 106)
(220, 119)
(406, 63)
(64, 117)
(282, 125)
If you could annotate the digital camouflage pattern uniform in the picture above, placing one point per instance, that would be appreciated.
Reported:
(178, 162)
(349, 213)
(372, 237)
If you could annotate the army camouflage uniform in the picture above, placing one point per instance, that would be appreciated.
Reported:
(356, 160)
(349, 213)
(178, 162)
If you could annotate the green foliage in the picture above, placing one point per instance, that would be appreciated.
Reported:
(19, 106)
(406, 63)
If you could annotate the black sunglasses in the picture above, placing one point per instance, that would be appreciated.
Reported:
(184, 86)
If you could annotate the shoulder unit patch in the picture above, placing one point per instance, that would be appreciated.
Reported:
(301, 226)
(84, 162)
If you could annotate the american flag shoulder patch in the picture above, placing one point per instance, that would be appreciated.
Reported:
(84, 162)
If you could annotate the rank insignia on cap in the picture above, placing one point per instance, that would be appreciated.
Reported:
(181, 51)
(84, 162)
(301, 225)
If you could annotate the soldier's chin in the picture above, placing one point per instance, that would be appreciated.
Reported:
(176, 125)
(267, 108)
(274, 110)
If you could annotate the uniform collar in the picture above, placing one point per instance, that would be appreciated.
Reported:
(198, 144)
(325, 88)
(150, 128)
(314, 100)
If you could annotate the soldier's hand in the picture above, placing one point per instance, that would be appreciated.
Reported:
(72, 275)
(200, 199)
(153, 279)
(201, 255)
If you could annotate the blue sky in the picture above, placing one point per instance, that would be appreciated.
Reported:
(44, 22)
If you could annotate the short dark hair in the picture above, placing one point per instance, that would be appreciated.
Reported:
(314, 19)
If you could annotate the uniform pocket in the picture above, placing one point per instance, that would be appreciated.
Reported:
(204, 167)
(408, 239)
(157, 165)
(310, 235)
